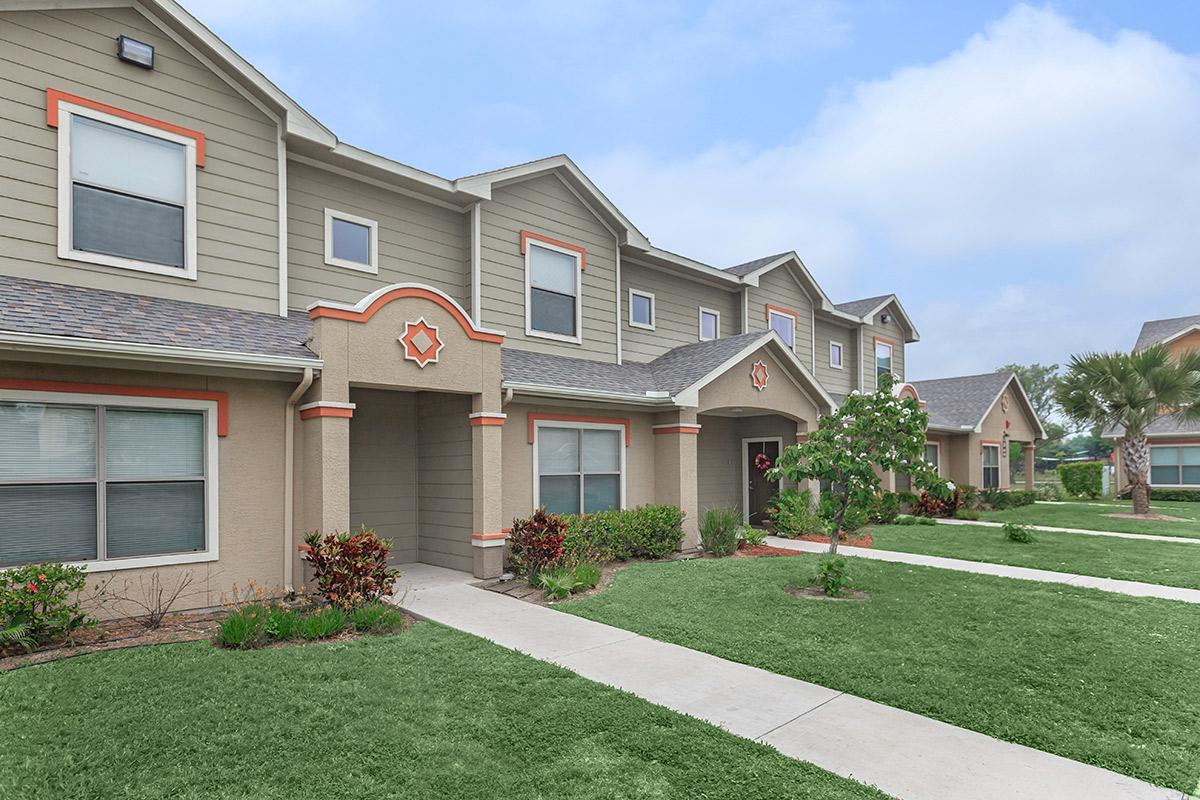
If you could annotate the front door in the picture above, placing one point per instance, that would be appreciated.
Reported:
(759, 490)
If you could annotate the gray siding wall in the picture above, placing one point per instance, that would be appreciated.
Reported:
(418, 242)
(383, 467)
(544, 205)
(893, 333)
(237, 198)
(677, 303)
(780, 288)
(444, 514)
(837, 381)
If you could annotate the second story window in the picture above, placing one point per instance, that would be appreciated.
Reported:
(710, 324)
(351, 242)
(883, 357)
(784, 324)
(552, 301)
(127, 193)
(835, 355)
(641, 309)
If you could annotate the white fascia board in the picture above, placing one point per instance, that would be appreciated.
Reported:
(869, 317)
(33, 342)
(1176, 335)
(567, 393)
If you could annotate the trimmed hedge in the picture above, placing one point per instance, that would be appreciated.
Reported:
(1000, 499)
(1082, 479)
(642, 532)
(1185, 495)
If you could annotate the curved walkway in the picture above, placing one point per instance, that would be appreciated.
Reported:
(1131, 588)
(905, 755)
(1154, 537)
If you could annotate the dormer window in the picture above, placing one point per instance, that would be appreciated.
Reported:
(553, 277)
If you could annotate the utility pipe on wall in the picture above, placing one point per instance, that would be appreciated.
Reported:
(289, 474)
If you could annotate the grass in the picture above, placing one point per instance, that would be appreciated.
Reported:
(1164, 563)
(1093, 516)
(1101, 678)
(429, 713)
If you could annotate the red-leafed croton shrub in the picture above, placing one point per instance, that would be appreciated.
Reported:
(350, 569)
(536, 542)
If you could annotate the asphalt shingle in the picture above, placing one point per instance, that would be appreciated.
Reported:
(961, 402)
(860, 307)
(750, 266)
(1156, 330)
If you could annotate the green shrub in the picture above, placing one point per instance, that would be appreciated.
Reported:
(329, 621)
(885, 509)
(588, 575)
(719, 530)
(907, 519)
(1184, 495)
(832, 576)
(793, 515)
(967, 514)
(14, 635)
(854, 518)
(42, 600)
(753, 537)
(350, 568)
(563, 581)
(244, 628)
(281, 623)
(653, 531)
(1003, 498)
(1049, 491)
(1017, 533)
(536, 543)
(378, 618)
(1082, 478)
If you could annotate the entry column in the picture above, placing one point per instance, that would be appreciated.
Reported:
(675, 436)
(487, 540)
(1030, 462)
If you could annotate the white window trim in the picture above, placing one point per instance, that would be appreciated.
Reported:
(593, 426)
(700, 312)
(66, 114)
(789, 317)
(653, 310)
(984, 467)
(373, 226)
(529, 329)
(211, 490)
(746, 471)
(1177, 466)
(938, 445)
(841, 355)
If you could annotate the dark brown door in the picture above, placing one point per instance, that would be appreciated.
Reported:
(761, 490)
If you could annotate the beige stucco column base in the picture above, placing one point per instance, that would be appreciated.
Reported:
(323, 479)
(487, 540)
(675, 435)
(1030, 458)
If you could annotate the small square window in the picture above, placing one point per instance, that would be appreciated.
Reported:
(835, 355)
(710, 324)
(351, 242)
(641, 309)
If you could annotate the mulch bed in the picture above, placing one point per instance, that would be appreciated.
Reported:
(858, 540)
(755, 551)
(1151, 517)
(120, 633)
(814, 592)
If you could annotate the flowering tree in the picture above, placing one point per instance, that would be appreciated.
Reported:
(869, 434)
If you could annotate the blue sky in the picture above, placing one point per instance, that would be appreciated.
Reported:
(1025, 177)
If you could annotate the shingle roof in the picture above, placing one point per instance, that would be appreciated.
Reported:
(860, 307)
(961, 402)
(1156, 330)
(758, 263)
(672, 372)
(1163, 426)
(51, 309)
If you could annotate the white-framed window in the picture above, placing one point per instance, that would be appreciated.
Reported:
(933, 456)
(883, 357)
(991, 466)
(553, 300)
(109, 482)
(126, 193)
(710, 324)
(351, 242)
(1174, 466)
(578, 467)
(784, 324)
(641, 309)
(835, 354)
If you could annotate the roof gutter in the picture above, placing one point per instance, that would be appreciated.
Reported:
(564, 393)
(71, 345)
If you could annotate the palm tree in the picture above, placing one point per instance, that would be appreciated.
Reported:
(1130, 391)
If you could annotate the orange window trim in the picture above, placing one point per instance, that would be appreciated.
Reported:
(396, 294)
(53, 96)
(990, 443)
(692, 429)
(327, 411)
(67, 387)
(574, 248)
(888, 342)
(795, 315)
(535, 417)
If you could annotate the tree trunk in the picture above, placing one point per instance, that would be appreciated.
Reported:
(837, 526)
(1135, 453)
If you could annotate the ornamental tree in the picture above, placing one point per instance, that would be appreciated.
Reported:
(870, 434)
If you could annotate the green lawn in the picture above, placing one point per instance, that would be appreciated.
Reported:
(1102, 678)
(1165, 563)
(429, 713)
(1093, 516)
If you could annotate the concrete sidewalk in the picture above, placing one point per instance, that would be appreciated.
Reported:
(906, 755)
(1152, 537)
(1131, 588)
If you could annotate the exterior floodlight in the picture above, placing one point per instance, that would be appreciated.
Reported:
(135, 52)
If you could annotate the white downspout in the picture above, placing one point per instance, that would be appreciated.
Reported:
(289, 474)
(617, 242)
(476, 262)
(281, 154)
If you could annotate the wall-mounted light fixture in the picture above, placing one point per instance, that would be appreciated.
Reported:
(135, 52)
(885, 318)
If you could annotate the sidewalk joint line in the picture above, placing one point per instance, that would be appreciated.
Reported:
(798, 716)
(598, 646)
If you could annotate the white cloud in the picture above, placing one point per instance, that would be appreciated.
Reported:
(1055, 163)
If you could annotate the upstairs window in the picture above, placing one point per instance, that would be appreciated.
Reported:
(641, 309)
(552, 302)
(710, 324)
(127, 193)
(991, 466)
(835, 355)
(351, 242)
(883, 358)
(784, 324)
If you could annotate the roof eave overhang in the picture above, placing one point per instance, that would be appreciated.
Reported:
(661, 399)
(913, 335)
